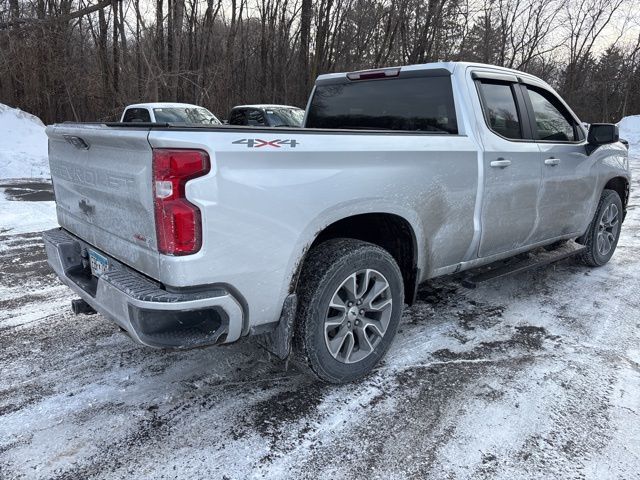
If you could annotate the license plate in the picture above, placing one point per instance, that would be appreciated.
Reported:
(99, 263)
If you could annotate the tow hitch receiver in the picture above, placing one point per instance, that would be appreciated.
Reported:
(80, 306)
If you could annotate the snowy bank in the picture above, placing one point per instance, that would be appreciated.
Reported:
(25, 202)
(23, 145)
(630, 131)
(24, 216)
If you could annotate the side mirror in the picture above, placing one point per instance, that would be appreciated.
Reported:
(602, 133)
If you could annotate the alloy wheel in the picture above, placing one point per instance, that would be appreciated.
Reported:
(358, 316)
(607, 229)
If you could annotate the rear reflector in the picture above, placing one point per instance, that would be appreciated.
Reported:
(372, 74)
(178, 221)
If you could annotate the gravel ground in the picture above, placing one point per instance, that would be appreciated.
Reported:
(532, 376)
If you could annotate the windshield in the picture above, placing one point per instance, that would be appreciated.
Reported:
(285, 117)
(185, 115)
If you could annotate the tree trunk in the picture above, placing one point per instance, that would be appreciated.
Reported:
(177, 19)
(116, 57)
(303, 55)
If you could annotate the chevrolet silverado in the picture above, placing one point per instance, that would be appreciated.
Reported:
(314, 238)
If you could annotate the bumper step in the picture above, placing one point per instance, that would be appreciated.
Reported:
(153, 314)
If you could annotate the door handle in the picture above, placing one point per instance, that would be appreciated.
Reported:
(552, 161)
(500, 163)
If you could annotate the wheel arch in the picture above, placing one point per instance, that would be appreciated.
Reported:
(621, 186)
(391, 231)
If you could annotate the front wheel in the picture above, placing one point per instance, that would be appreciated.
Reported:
(602, 236)
(350, 299)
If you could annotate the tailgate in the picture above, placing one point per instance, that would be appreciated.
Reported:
(102, 179)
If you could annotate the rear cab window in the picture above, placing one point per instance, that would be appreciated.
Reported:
(415, 102)
(136, 115)
(238, 117)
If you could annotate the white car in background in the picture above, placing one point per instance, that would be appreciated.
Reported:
(168, 113)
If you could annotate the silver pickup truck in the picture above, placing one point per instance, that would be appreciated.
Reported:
(316, 237)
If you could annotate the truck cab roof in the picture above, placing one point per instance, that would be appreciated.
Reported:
(265, 106)
(163, 105)
(450, 67)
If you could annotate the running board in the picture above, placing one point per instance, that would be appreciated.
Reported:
(521, 263)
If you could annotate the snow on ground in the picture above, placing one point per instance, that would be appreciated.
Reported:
(26, 206)
(26, 195)
(23, 145)
(532, 376)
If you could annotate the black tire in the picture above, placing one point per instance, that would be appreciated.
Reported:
(326, 269)
(593, 256)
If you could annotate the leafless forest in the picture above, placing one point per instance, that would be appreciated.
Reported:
(85, 59)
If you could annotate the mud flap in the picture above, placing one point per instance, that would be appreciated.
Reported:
(278, 341)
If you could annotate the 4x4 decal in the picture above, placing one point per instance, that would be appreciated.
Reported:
(258, 142)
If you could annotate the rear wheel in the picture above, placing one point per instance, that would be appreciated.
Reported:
(350, 299)
(602, 236)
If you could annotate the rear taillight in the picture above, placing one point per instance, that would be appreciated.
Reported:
(178, 222)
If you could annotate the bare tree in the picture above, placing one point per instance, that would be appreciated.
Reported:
(85, 59)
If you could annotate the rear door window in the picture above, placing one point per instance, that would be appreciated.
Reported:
(422, 104)
(553, 121)
(500, 109)
(136, 115)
